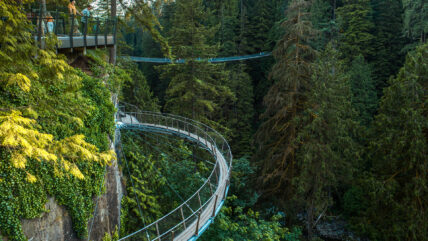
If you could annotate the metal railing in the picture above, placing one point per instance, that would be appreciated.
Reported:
(186, 220)
(69, 28)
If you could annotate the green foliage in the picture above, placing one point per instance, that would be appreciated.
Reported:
(388, 20)
(237, 224)
(137, 91)
(197, 88)
(356, 26)
(285, 100)
(47, 108)
(397, 189)
(364, 98)
(237, 221)
(322, 17)
(415, 22)
(144, 14)
(327, 150)
(113, 237)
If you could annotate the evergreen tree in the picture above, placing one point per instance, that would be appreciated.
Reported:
(323, 19)
(239, 114)
(364, 98)
(415, 21)
(388, 42)
(197, 88)
(325, 157)
(285, 101)
(398, 191)
(356, 26)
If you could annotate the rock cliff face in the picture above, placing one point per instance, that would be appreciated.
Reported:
(56, 224)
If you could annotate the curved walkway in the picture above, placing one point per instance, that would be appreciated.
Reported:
(191, 218)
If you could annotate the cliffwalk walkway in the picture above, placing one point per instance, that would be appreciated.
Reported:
(191, 218)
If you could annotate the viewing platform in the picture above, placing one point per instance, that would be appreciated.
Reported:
(71, 31)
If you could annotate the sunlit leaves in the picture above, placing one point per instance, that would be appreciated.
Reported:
(19, 135)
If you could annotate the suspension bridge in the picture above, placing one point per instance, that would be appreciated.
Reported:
(191, 218)
(210, 60)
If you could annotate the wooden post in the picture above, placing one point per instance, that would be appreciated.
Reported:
(85, 32)
(71, 33)
(106, 25)
(172, 235)
(197, 224)
(112, 54)
(211, 188)
(157, 230)
(215, 206)
(225, 189)
(97, 27)
(182, 216)
(199, 199)
(39, 34)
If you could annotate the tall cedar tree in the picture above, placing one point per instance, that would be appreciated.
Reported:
(364, 98)
(356, 26)
(388, 20)
(197, 88)
(285, 101)
(256, 22)
(398, 192)
(327, 148)
(238, 115)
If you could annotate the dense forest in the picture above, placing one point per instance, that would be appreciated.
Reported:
(329, 133)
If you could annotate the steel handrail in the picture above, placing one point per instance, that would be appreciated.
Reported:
(194, 130)
(137, 110)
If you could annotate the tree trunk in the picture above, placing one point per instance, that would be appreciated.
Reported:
(113, 49)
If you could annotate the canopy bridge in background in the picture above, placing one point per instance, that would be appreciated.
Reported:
(210, 60)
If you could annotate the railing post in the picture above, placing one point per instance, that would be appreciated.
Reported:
(215, 172)
(97, 26)
(182, 216)
(197, 224)
(215, 206)
(105, 32)
(225, 188)
(114, 31)
(157, 230)
(71, 33)
(39, 34)
(199, 199)
(85, 32)
(56, 23)
(211, 188)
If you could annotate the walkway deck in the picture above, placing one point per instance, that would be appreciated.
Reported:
(190, 227)
(92, 41)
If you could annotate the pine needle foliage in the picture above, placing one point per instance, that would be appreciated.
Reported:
(285, 101)
(356, 26)
(389, 40)
(327, 153)
(364, 96)
(398, 191)
(197, 88)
